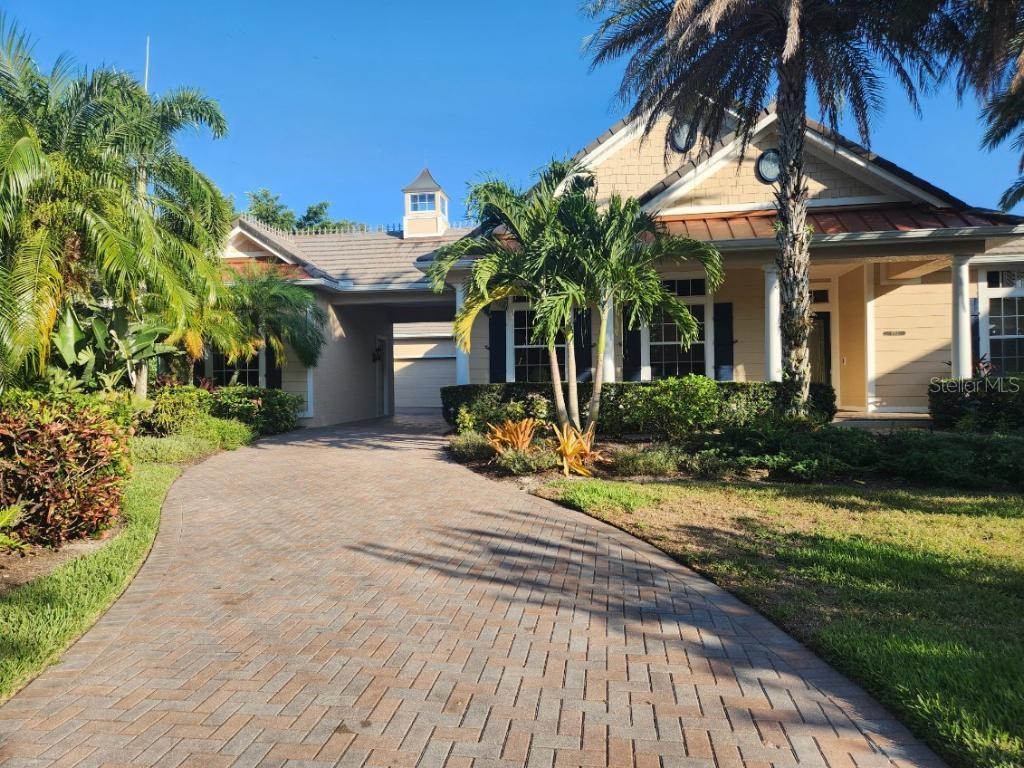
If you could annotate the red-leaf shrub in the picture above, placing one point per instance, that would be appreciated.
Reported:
(65, 465)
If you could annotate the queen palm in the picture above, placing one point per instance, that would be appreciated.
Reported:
(619, 248)
(278, 314)
(519, 250)
(713, 64)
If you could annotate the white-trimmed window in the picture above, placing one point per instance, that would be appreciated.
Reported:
(529, 359)
(1005, 312)
(422, 201)
(667, 356)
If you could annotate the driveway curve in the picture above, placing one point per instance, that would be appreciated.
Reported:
(348, 597)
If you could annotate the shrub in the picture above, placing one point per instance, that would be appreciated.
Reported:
(224, 433)
(628, 408)
(517, 462)
(171, 449)
(978, 405)
(175, 408)
(962, 461)
(656, 460)
(266, 411)
(65, 464)
(710, 463)
(470, 446)
(121, 406)
(9, 519)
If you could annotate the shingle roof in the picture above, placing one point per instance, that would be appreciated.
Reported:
(749, 225)
(364, 259)
(423, 183)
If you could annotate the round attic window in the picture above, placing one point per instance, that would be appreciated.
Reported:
(684, 138)
(769, 166)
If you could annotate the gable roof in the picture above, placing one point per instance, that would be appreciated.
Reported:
(688, 166)
(425, 182)
(380, 260)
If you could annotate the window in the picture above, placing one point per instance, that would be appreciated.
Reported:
(668, 358)
(444, 206)
(1005, 279)
(531, 360)
(422, 201)
(1006, 334)
(819, 296)
(244, 372)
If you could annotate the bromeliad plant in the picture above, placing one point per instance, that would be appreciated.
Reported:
(575, 449)
(513, 435)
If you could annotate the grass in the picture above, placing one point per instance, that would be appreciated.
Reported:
(39, 620)
(918, 595)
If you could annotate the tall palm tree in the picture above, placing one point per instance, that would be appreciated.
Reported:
(278, 314)
(96, 200)
(709, 64)
(618, 248)
(518, 251)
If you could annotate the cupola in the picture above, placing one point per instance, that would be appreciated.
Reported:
(426, 207)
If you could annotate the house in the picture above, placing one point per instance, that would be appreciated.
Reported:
(908, 281)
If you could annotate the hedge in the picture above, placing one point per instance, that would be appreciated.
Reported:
(993, 404)
(660, 409)
(264, 411)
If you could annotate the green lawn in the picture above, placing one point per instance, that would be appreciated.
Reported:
(39, 620)
(918, 595)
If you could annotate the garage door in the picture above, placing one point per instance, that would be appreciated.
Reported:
(422, 367)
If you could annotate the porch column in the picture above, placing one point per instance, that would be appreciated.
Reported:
(461, 356)
(772, 324)
(608, 364)
(962, 365)
(262, 361)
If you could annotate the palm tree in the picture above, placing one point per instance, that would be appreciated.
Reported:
(97, 204)
(618, 248)
(278, 314)
(519, 250)
(709, 64)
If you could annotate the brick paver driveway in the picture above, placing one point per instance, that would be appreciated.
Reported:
(347, 597)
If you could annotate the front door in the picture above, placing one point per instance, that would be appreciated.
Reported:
(820, 348)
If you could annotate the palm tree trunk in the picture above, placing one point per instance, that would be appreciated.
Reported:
(142, 379)
(793, 258)
(571, 378)
(595, 396)
(556, 386)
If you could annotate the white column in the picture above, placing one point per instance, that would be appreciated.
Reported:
(962, 366)
(262, 361)
(461, 356)
(772, 324)
(608, 364)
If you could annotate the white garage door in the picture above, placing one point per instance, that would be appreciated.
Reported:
(422, 367)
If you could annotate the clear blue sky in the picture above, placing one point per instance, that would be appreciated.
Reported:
(346, 101)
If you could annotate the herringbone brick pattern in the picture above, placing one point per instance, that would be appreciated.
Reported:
(346, 597)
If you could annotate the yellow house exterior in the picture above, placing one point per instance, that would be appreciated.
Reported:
(910, 283)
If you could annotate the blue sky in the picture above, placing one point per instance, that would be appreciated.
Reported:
(345, 101)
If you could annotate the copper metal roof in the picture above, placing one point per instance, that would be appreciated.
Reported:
(749, 225)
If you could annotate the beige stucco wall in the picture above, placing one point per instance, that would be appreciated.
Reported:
(345, 380)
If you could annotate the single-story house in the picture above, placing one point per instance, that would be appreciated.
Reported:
(909, 283)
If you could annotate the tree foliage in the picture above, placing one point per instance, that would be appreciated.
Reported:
(267, 207)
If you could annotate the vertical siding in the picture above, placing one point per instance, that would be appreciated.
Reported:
(479, 352)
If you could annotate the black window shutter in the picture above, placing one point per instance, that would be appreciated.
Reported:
(630, 353)
(496, 345)
(273, 370)
(975, 330)
(723, 342)
(583, 343)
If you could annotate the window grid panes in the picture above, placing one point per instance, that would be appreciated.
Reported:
(242, 372)
(422, 201)
(668, 357)
(531, 360)
(1005, 279)
(1006, 335)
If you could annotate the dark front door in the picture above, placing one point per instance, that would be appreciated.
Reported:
(820, 348)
